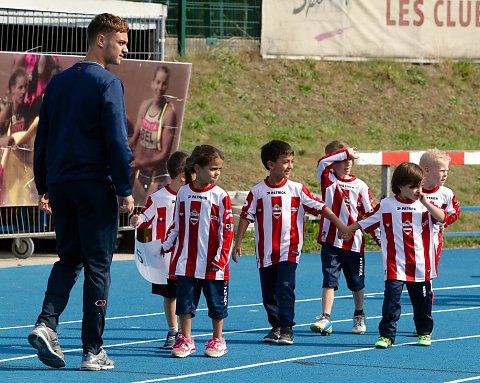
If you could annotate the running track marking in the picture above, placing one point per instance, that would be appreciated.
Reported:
(296, 359)
(260, 329)
(464, 380)
(240, 306)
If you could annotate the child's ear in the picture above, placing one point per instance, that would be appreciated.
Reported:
(182, 176)
(270, 164)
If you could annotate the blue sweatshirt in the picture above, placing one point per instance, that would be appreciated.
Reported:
(82, 131)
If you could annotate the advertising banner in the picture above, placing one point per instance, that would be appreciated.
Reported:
(413, 30)
(155, 96)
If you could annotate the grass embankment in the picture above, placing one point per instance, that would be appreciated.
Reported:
(238, 102)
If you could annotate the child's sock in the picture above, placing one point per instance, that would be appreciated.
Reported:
(358, 312)
(173, 329)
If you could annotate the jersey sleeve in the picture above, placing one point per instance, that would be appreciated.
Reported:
(249, 208)
(372, 220)
(225, 234)
(172, 232)
(325, 164)
(311, 204)
(452, 211)
(366, 207)
(147, 214)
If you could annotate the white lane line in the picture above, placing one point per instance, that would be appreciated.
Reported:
(241, 306)
(464, 380)
(211, 372)
(237, 332)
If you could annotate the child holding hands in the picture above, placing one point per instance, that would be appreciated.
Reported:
(203, 236)
(406, 222)
(278, 205)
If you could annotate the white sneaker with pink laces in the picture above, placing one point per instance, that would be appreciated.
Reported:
(216, 347)
(183, 347)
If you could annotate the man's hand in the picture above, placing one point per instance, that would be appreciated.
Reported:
(126, 204)
(44, 203)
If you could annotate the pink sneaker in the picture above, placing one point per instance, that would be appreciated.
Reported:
(216, 348)
(183, 347)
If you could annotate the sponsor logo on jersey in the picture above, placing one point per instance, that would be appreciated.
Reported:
(182, 215)
(406, 208)
(160, 219)
(228, 227)
(277, 211)
(194, 217)
(347, 201)
(276, 192)
(387, 225)
(259, 211)
(407, 227)
(195, 196)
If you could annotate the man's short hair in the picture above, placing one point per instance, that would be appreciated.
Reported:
(407, 174)
(176, 163)
(433, 156)
(274, 149)
(105, 23)
(335, 146)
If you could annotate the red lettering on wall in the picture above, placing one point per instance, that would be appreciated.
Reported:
(477, 14)
(438, 22)
(419, 13)
(402, 12)
(465, 23)
(450, 22)
(389, 19)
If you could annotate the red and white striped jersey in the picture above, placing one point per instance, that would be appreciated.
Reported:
(349, 199)
(203, 231)
(443, 198)
(158, 213)
(406, 229)
(278, 213)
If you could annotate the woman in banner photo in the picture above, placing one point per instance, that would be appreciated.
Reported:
(152, 139)
(15, 119)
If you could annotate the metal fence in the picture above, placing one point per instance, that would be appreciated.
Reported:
(61, 33)
(66, 33)
(223, 23)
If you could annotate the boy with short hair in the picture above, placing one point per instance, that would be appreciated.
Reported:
(278, 206)
(406, 222)
(435, 164)
(158, 213)
(350, 199)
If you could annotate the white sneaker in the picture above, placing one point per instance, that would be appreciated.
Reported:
(359, 326)
(216, 348)
(92, 362)
(322, 325)
(183, 347)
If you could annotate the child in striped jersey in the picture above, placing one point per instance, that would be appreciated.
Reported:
(278, 206)
(435, 164)
(406, 222)
(350, 199)
(202, 234)
(158, 213)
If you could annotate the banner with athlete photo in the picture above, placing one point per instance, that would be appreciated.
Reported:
(155, 95)
(413, 30)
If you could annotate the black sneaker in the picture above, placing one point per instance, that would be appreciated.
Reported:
(286, 335)
(273, 335)
(46, 343)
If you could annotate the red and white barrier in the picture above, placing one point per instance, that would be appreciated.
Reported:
(397, 157)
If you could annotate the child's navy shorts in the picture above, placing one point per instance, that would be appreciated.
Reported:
(352, 263)
(167, 291)
(215, 293)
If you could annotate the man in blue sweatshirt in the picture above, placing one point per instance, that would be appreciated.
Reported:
(82, 172)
